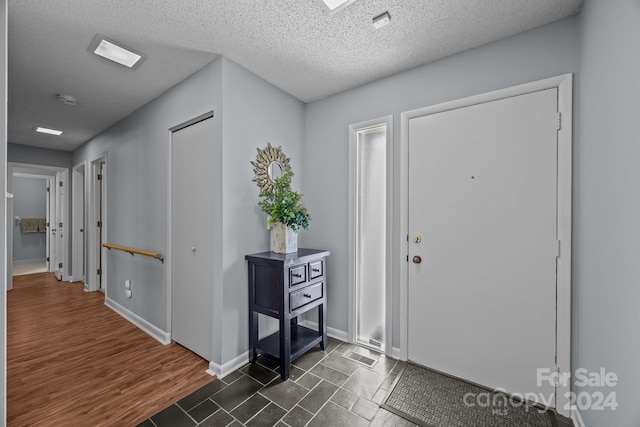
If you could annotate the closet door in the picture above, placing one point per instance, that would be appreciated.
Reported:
(192, 151)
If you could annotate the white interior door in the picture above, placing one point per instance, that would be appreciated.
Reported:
(60, 224)
(51, 203)
(192, 237)
(483, 200)
(78, 247)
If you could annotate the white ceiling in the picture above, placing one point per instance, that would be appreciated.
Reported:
(297, 45)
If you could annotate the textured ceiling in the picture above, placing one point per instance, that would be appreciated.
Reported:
(297, 45)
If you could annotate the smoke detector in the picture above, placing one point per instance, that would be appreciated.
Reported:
(66, 99)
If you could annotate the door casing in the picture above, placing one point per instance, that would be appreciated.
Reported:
(97, 201)
(564, 84)
(35, 171)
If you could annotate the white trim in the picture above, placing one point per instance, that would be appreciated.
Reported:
(576, 417)
(352, 234)
(29, 261)
(229, 367)
(24, 170)
(331, 332)
(93, 251)
(158, 334)
(395, 353)
(78, 219)
(343, 336)
(564, 84)
(563, 296)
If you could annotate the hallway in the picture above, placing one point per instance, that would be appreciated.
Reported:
(73, 361)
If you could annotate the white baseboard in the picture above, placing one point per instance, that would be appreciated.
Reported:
(576, 417)
(395, 353)
(30, 261)
(344, 336)
(152, 330)
(225, 369)
(331, 332)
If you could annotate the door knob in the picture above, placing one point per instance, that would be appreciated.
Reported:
(417, 259)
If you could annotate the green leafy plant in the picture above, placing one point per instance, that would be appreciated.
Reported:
(284, 205)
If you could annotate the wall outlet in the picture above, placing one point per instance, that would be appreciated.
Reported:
(127, 284)
(128, 293)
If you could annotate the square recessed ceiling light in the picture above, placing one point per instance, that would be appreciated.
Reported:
(336, 5)
(48, 131)
(116, 52)
(381, 20)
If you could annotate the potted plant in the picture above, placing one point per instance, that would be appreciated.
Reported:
(287, 214)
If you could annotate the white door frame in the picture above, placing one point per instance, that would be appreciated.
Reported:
(33, 171)
(564, 84)
(94, 251)
(79, 208)
(353, 226)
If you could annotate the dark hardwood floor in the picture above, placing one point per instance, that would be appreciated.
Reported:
(72, 361)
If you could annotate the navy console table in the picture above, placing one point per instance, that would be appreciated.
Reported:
(284, 286)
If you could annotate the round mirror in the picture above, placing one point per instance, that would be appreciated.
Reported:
(275, 171)
(270, 164)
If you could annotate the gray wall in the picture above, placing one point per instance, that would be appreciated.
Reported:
(38, 156)
(606, 292)
(3, 183)
(252, 114)
(255, 113)
(543, 52)
(29, 200)
(137, 159)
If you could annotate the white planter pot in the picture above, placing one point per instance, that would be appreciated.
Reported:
(283, 239)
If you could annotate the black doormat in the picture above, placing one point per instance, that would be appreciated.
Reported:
(432, 399)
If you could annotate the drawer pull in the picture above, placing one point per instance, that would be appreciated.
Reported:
(298, 275)
(316, 270)
(306, 295)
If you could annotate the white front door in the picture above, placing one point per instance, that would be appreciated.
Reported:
(482, 229)
(192, 213)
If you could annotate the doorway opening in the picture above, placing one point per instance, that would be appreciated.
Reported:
(96, 272)
(78, 249)
(370, 227)
(48, 208)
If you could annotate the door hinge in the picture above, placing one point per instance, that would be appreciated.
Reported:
(407, 258)
(99, 224)
(48, 190)
(99, 272)
(61, 184)
(557, 248)
(59, 265)
(99, 177)
(558, 120)
(48, 259)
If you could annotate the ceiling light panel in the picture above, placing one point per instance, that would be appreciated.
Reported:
(48, 131)
(336, 5)
(116, 52)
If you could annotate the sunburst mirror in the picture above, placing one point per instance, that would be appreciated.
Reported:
(270, 164)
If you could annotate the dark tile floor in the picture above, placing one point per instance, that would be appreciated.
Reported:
(341, 386)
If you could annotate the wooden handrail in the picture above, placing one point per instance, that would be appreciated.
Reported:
(134, 251)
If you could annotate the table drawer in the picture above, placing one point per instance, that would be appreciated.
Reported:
(316, 269)
(297, 274)
(305, 296)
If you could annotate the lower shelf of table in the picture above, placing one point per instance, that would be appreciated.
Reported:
(302, 339)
